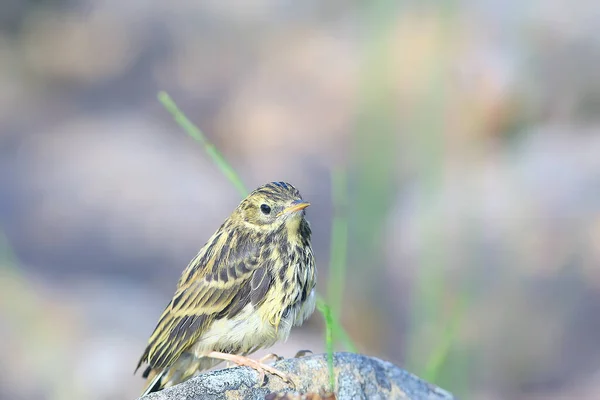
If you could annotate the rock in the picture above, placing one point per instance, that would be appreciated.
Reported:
(356, 376)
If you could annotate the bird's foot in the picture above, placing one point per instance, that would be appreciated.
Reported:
(269, 357)
(303, 353)
(257, 365)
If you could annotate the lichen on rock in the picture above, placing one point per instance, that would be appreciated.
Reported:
(356, 377)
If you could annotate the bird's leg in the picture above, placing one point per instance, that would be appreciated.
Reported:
(303, 353)
(254, 364)
(270, 356)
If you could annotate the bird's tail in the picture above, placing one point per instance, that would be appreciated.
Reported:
(153, 381)
(184, 368)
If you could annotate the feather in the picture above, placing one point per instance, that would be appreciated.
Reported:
(254, 274)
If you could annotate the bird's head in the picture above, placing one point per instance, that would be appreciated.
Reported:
(272, 205)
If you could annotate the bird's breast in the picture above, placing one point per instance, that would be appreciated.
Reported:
(294, 287)
(289, 301)
(238, 335)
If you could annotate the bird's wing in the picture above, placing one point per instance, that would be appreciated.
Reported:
(222, 279)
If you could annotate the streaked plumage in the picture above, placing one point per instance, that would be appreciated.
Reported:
(243, 291)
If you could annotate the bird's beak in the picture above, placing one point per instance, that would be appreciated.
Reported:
(296, 206)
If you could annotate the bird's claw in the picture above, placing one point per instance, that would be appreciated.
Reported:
(285, 377)
(257, 365)
(303, 353)
(262, 368)
(270, 356)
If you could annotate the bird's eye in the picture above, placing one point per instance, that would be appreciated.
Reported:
(265, 209)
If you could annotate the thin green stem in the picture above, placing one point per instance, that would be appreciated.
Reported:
(337, 328)
(195, 132)
(329, 323)
(339, 243)
(442, 349)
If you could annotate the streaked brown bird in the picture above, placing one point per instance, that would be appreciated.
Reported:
(250, 283)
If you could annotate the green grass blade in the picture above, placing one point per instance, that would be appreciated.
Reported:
(195, 132)
(339, 243)
(329, 323)
(440, 353)
(336, 327)
(344, 337)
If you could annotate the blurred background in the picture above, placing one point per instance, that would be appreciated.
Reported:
(451, 151)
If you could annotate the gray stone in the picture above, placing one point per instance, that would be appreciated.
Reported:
(356, 376)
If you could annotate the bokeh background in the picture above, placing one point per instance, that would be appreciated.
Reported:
(450, 149)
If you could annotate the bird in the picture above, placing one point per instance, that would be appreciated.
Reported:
(244, 290)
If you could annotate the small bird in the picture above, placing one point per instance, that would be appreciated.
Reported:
(250, 283)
